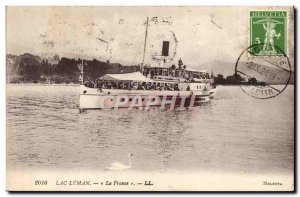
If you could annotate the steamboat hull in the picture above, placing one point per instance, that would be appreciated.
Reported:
(93, 98)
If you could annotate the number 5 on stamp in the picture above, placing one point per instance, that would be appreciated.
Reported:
(268, 29)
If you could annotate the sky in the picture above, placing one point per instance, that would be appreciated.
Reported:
(200, 35)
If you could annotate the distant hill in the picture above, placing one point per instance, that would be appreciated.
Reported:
(26, 66)
(267, 74)
(228, 69)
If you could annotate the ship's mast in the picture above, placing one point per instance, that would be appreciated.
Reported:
(146, 34)
(82, 71)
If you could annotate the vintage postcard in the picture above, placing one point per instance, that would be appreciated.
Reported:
(150, 98)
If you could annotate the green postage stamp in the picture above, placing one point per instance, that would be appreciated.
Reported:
(268, 30)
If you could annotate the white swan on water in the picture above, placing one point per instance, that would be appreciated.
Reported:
(120, 166)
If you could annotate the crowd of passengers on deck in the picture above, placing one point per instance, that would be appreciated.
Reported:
(130, 85)
(172, 72)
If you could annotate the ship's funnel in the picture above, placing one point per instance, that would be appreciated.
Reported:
(165, 48)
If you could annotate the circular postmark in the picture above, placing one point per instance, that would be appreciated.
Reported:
(263, 76)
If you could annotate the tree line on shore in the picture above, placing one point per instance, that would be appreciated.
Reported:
(28, 68)
(235, 79)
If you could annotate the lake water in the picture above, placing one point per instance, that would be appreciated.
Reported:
(233, 133)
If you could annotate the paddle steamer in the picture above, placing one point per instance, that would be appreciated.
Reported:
(160, 84)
